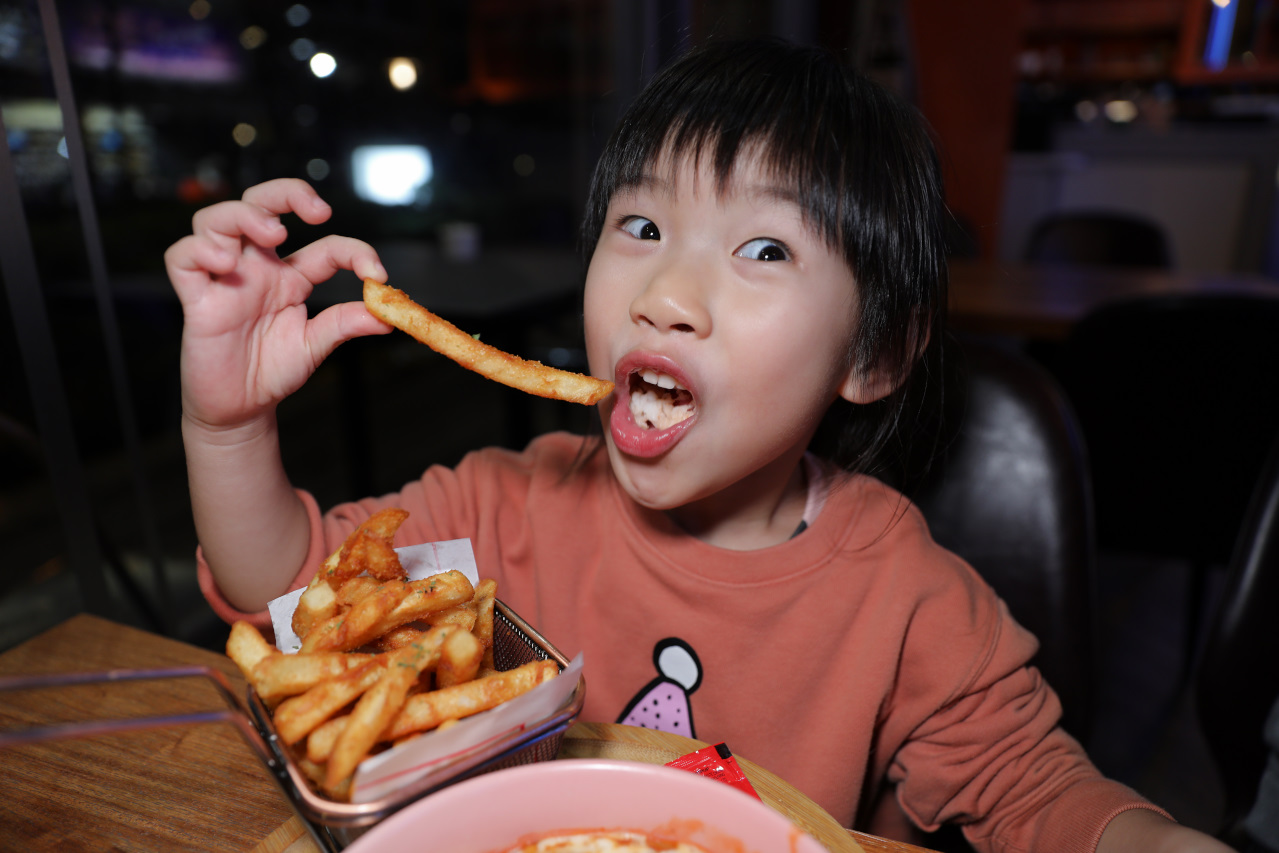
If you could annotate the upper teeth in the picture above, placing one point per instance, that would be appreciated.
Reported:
(661, 380)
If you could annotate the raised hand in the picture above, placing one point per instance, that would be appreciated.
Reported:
(247, 342)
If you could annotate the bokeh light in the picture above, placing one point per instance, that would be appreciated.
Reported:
(323, 64)
(244, 134)
(252, 37)
(402, 72)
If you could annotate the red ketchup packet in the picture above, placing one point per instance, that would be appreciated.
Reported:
(716, 762)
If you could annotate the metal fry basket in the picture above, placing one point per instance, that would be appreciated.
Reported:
(333, 824)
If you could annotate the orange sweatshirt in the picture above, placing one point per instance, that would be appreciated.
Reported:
(856, 658)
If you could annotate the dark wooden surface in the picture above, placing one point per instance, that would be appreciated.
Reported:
(198, 788)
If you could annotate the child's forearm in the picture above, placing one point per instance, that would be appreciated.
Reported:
(1149, 832)
(251, 524)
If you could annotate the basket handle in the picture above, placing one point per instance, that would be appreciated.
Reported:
(235, 714)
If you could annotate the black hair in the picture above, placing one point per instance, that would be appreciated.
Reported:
(866, 176)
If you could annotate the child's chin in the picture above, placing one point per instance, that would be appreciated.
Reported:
(633, 440)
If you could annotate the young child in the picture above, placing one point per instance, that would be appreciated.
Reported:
(767, 256)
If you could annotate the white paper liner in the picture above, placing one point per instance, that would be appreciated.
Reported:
(381, 774)
(385, 772)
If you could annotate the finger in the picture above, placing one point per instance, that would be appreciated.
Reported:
(318, 261)
(228, 221)
(192, 260)
(289, 195)
(338, 324)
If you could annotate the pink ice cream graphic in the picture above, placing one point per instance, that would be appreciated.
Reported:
(663, 703)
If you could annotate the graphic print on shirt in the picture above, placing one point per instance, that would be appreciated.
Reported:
(663, 703)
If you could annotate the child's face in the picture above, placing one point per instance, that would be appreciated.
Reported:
(731, 299)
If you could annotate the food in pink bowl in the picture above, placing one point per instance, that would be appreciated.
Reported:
(591, 806)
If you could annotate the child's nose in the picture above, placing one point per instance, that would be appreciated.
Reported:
(675, 298)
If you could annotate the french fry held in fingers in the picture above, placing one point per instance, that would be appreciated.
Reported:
(375, 645)
(396, 308)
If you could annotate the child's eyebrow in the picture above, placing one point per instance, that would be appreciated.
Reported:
(646, 181)
(776, 193)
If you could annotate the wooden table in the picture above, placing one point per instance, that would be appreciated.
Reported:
(1044, 302)
(201, 788)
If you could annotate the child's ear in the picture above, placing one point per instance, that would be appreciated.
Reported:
(867, 387)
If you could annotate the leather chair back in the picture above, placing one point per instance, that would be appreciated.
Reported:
(1098, 238)
(1010, 494)
(1237, 677)
(1178, 397)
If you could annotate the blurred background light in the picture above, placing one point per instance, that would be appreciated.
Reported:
(317, 169)
(1221, 31)
(297, 15)
(200, 9)
(244, 134)
(323, 64)
(524, 165)
(1121, 111)
(302, 49)
(252, 37)
(390, 174)
(403, 73)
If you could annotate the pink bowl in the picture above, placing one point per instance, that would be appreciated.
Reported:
(492, 812)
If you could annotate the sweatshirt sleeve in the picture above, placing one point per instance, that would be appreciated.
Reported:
(315, 555)
(993, 759)
(442, 504)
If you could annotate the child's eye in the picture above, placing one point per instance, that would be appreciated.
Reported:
(763, 249)
(641, 228)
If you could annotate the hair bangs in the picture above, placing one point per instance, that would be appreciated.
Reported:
(741, 102)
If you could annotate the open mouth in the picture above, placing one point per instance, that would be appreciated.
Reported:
(657, 401)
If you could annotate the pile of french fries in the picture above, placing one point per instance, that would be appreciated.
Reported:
(383, 659)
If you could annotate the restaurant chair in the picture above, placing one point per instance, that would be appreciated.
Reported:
(1178, 397)
(1237, 675)
(1098, 238)
(1009, 493)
